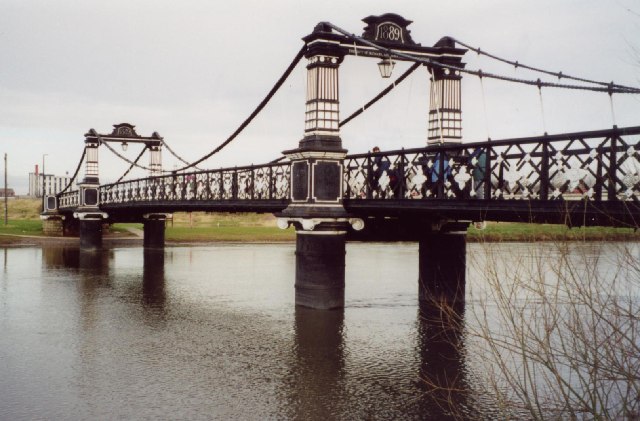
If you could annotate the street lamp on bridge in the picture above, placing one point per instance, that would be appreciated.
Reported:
(386, 67)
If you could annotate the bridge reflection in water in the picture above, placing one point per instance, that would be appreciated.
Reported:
(320, 376)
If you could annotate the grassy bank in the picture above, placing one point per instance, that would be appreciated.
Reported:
(263, 228)
(24, 219)
(508, 231)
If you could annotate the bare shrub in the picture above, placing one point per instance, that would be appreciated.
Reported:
(555, 329)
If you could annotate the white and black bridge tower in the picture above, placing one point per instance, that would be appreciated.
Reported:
(316, 209)
(88, 212)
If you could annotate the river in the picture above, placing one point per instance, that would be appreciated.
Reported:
(212, 332)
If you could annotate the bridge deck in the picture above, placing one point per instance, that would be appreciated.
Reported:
(588, 178)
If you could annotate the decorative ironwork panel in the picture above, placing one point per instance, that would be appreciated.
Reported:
(603, 165)
(592, 166)
(628, 168)
(69, 199)
(265, 182)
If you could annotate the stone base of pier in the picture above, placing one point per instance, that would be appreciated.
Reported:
(442, 267)
(91, 233)
(320, 266)
(153, 226)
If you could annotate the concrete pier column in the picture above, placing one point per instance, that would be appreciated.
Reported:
(90, 233)
(442, 266)
(320, 266)
(153, 226)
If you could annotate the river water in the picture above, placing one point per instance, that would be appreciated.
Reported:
(212, 332)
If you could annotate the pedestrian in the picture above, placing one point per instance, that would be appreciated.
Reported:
(479, 171)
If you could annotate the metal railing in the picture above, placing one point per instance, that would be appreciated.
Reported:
(598, 165)
(70, 199)
(595, 166)
(264, 182)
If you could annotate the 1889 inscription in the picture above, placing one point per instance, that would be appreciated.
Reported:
(389, 32)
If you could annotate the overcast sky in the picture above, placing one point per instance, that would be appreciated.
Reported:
(193, 70)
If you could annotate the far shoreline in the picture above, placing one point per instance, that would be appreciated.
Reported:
(119, 239)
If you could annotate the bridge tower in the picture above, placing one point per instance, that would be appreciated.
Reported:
(445, 99)
(316, 209)
(88, 212)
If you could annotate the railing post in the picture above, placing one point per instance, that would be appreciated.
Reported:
(599, 182)
(487, 175)
(544, 171)
(369, 187)
(234, 184)
(253, 177)
(440, 186)
(272, 183)
(222, 194)
(400, 173)
(174, 175)
(501, 177)
(612, 188)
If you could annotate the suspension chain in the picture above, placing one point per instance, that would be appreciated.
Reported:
(610, 88)
(75, 174)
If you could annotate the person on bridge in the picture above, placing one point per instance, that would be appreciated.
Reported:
(478, 171)
(435, 173)
(382, 165)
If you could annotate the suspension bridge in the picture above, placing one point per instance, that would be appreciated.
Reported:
(429, 194)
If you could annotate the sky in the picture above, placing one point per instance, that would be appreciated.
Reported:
(193, 70)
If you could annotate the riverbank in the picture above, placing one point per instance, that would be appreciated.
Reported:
(15, 234)
(25, 227)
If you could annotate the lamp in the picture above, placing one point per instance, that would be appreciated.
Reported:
(386, 67)
(125, 145)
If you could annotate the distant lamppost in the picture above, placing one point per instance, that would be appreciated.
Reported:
(44, 182)
(6, 204)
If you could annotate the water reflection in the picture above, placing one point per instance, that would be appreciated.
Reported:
(316, 380)
(57, 257)
(153, 280)
(442, 364)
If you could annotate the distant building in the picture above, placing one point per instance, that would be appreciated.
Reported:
(7, 193)
(53, 184)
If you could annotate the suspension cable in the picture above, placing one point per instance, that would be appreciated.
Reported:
(375, 99)
(75, 174)
(544, 124)
(559, 75)
(384, 92)
(166, 145)
(484, 107)
(255, 112)
(613, 112)
(124, 158)
(131, 167)
(394, 53)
